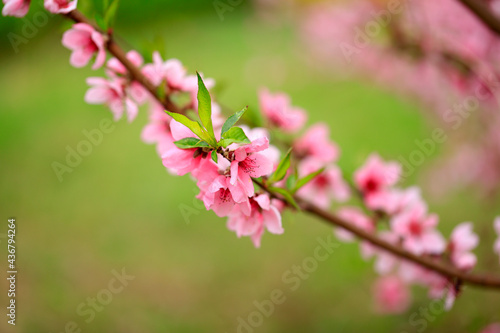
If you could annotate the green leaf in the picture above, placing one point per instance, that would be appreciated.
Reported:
(282, 168)
(214, 156)
(110, 15)
(287, 195)
(205, 107)
(101, 23)
(188, 143)
(303, 181)
(232, 120)
(233, 135)
(291, 181)
(193, 126)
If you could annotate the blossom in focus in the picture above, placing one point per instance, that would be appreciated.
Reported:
(60, 6)
(496, 247)
(326, 186)
(316, 143)
(248, 163)
(181, 161)
(462, 241)
(357, 218)
(278, 110)
(18, 8)
(418, 230)
(391, 295)
(263, 215)
(85, 42)
(374, 179)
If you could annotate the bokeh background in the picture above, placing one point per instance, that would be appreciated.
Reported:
(120, 209)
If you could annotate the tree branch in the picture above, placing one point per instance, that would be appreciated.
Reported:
(483, 13)
(437, 266)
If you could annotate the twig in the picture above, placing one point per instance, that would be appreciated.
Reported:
(434, 265)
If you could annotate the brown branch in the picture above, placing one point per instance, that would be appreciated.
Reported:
(437, 266)
(483, 13)
(134, 72)
(434, 265)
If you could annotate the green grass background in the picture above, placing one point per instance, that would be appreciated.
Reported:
(120, 208)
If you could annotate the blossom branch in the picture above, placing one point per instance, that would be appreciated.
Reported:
(483, 13)
(438, 266)
(427, 262)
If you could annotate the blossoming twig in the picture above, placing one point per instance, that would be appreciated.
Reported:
(437, 266)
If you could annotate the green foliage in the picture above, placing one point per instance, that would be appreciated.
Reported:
(195, 127)
(188, 143)
(303, 181)
(286, 194)
(214, 156)
(110, 14)
(205, 107)
(231, 121)
(233, 135)
(282, 168)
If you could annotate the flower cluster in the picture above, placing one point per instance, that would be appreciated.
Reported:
(243, 177)
(436, 52)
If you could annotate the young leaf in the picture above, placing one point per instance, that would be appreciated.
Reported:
(233, 135)
(188, 143)
(232, 120)
(99, 20)
(303, 181)
(287, 195)
(205, 107)
(193, 126)
(214, 156)
(109, 17)
(282, 168)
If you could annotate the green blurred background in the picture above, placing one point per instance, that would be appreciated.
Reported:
(120, 209)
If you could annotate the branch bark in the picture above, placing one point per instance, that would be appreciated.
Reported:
(483, 13)
(437, 266)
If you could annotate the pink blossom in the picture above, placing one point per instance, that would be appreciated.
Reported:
(112, 93)
(272, 153)
(182, 161)
(417, 230)
(85, 41)
(223, 197)
(357, 218)
(324, 187)
(462, 241)
(60, 6)
(316, 143)
(280, 113)
(249, 163)
(492, 328)
(496, 247)
(158, 129)
(375, 178)
(398, 200)
(263, 215)
(18, 8)
(115, 68)
(391, 295)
